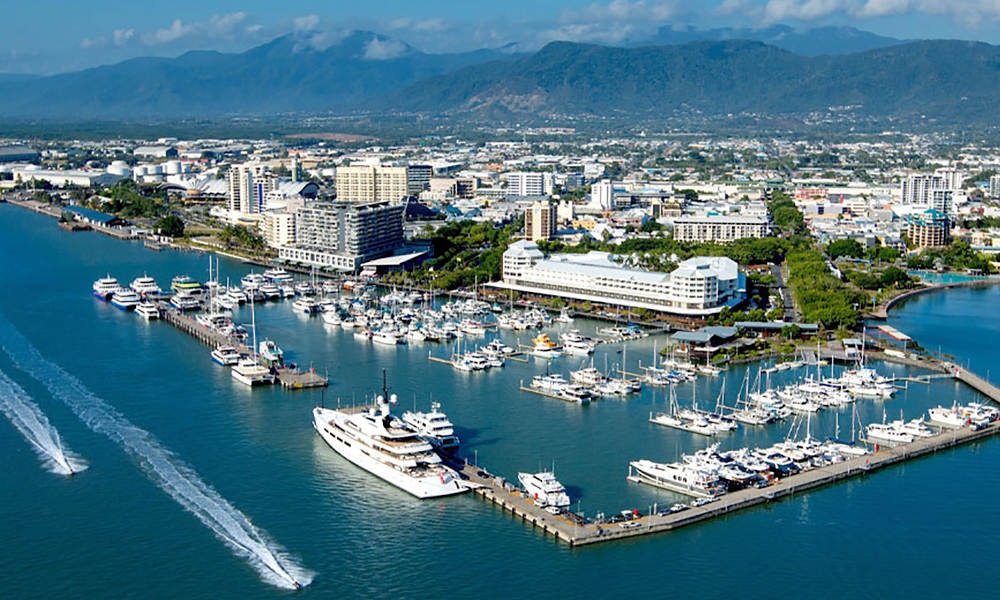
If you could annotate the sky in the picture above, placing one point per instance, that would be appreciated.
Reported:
(50, 36)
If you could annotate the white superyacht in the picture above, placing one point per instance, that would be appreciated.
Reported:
(385, 446)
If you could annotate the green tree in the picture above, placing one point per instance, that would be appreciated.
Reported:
(170, 225)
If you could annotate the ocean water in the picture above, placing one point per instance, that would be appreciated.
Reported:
(921, 529)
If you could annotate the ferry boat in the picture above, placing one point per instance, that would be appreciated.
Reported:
(125, 299)
(388, 448)
(434, 427)
(544, 489)
(184, 302)
(148, 310)
(226, 355)
(146, 286)
(249, 371)
(104, 287)
(182, 284)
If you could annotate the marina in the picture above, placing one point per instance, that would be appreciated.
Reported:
(272, 441)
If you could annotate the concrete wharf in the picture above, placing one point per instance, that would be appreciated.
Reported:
(573, 530)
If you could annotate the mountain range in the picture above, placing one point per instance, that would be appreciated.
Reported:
(817, 41)
(940, 78)
(718, 74)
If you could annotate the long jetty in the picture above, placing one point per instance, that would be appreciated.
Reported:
(291, 379)
(575, 531)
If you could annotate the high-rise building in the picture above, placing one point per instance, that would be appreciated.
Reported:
(602, 195)
(418, 178)
(929, 229)
(915, 189)
(940, 200)
(529, 184)
(248, 186)
(342, 235)
(540, 221)
(368, 183)
(995, 186)
(278, 227)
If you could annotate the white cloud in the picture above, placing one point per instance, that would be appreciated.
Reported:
(95, 42)
(306, 23)
(122, 36)
(622, 11)
(383, 49)
(611, 23)
(215, 26)
(433, 25)
(804, 10)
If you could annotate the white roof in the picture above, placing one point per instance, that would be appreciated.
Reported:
(705, 266)
(599, 264)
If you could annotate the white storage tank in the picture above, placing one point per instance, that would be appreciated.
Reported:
(120, 168)
(173, 167)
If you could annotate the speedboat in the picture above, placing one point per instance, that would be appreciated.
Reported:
(147, 310)
(104, 287)
(226, 355)
(125, 298)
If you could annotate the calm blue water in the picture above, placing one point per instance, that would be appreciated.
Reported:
(922, 529)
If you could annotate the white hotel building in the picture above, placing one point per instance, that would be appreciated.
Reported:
(699, 287)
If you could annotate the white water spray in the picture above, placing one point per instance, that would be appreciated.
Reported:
(164, 468)
(32, 423)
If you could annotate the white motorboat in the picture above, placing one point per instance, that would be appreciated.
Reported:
(544, 489)
(249, 371)
(270, 351)
(226, 355)
(433, 426)
(679, 477)
(306, 305)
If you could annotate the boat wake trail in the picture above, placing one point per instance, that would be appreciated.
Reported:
(164, 468)
(31, 422)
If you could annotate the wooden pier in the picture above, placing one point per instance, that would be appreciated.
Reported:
(289, 378)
